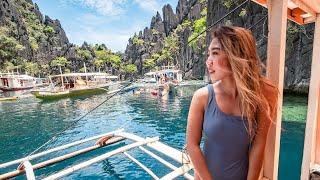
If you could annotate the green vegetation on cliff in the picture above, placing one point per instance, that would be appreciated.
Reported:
(30, 43)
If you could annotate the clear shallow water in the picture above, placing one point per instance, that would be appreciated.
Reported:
(27, 123)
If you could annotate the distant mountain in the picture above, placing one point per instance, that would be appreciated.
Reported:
(147, 49)
(26, 36)
(166, 40)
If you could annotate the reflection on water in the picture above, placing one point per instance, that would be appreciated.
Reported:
(28, 123)
(14, 93)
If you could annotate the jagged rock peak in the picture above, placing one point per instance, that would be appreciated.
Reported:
(85, 45)
(155, 20)
(49, 21)
(29, 1)
(182, 9)
(169, 18)
(37, 12)
(158, 16)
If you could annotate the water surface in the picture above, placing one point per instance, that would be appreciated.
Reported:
(28, 123)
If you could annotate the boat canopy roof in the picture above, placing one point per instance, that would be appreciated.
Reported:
(150, 73)
(14, 76)
(109, 77)
(82, 74)
(163, 71)
(170, 71)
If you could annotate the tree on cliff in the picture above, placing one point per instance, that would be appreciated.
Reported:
(60, 62)
(31, 68)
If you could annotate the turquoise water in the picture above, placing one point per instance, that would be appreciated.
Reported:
(292, 136)
(27, 123)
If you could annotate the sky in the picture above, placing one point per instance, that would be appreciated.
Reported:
(111, 22)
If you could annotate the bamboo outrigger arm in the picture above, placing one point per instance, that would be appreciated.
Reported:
(99, 158)
(103, 140)
(22, 168)
(28, 158)
(26, 165)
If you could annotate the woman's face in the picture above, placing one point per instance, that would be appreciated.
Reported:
(217, 62)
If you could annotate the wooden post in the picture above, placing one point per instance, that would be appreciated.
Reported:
(62, 84)
(318, 131)
(310, 142)
(277, 10)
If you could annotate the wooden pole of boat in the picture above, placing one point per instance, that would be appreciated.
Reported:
(100, 158)
(277, 11)
(85, 71)
(61, 77)
(317, 161)
(312, 138)
(19, 171)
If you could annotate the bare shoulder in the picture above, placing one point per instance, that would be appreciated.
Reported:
(201, 96)
(201, 93)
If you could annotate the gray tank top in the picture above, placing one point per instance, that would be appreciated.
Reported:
(226, 142)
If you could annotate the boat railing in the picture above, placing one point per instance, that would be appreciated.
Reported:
(168, 67)
(103, 140)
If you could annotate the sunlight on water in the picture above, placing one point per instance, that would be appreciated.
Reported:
(28, 123)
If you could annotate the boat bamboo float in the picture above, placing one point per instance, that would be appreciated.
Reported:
(104, 140)
(9, 98)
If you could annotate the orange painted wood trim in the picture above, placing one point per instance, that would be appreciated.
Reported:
(295, 16)
(261, 2)
(305, 7)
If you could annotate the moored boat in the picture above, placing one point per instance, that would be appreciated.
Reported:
(76, 84)
(15, 82)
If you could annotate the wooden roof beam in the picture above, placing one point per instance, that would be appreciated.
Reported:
(295, 15)
(309, 19)
(261, 2)
(305, 7)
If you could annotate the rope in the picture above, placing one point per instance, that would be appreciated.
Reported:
(74, 122)
(209, 27)
(260, 20)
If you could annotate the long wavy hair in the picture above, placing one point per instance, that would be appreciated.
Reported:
(240, 47)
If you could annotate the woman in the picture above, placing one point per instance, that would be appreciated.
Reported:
(234, 113)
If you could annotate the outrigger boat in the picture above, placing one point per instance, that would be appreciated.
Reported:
(16, 82)
(103, 140)
(165, 80)
(150, 77)
(76, 84)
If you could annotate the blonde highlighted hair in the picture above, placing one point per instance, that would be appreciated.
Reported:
(240, 47)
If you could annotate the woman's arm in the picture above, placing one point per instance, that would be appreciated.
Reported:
(256, 155)
(194, 134)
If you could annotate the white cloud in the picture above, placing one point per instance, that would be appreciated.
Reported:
(114, 7)
(105, 24)
(149, 5)
(104, 7)
(89, 19)
(114, 40)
